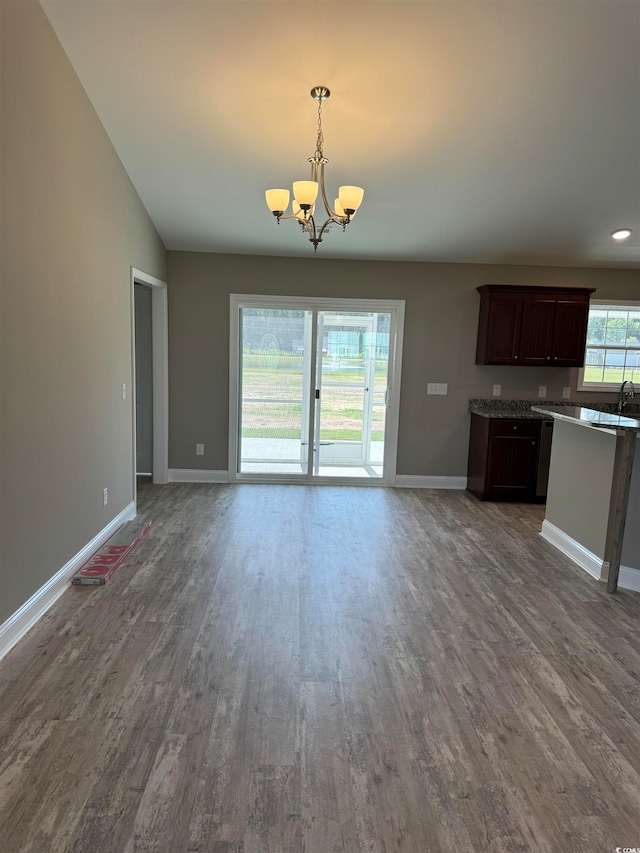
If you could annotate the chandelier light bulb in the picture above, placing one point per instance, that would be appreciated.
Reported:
(305, 193)
(350, 198)
(277, 200)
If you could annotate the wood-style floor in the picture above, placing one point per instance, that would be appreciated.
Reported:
(320, 669)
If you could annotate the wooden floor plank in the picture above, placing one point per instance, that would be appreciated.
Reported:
(290, 669)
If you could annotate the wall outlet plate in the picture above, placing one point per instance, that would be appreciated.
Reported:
(542, 391)
(497, 390)
(105, 497)
(437, 388)
(566, 392)
(199, 449)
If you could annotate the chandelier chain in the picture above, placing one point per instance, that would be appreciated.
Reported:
(320, 137)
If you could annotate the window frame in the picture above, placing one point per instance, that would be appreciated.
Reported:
(604, 387)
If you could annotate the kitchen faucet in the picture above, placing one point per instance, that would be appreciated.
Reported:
(625, 395)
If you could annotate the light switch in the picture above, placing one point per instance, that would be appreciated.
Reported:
(437, 388)
(566, 392)
(497, 390)
(542, 391)
(124, 391)
(199, 449)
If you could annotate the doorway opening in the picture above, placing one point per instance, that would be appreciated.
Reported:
(144, 381)
(149, 381)
(315, 389)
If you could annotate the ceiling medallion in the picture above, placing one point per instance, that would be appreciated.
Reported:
(305, 193)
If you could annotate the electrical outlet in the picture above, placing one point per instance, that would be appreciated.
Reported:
(566, 392)
(437, 388)
(497, 390)
(542, 391)
(199, 449)
(124, 391)
(105, 497)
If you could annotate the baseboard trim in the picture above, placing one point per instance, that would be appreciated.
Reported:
(16, 626)
(573, 549)
(413, 481)
(197, 475)
(629, 578)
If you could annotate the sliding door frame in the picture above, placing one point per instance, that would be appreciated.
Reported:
(305, 303)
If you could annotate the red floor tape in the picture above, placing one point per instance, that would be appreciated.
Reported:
(113, 553)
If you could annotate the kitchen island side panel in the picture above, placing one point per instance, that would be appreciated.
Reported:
(580, 478)
(631, 542)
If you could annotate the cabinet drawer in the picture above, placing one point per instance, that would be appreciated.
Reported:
(515, 427)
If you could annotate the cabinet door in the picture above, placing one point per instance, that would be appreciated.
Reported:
(536, 339)
(512, 467)
(570, 333)
(503, 330)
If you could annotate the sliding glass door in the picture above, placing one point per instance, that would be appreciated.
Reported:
(351, 378)
(313, 389)
(274, 383)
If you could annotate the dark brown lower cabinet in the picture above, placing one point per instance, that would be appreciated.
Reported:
(503, 459)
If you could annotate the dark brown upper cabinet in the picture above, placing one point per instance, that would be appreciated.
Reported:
(533, 326)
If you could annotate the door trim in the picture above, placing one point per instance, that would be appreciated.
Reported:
(308, 303)
(160, 361)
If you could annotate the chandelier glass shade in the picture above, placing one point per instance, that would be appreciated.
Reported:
(305, 193)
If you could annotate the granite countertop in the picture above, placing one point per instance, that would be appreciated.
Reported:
(510, 414)
(518, 409)
(589, 417)
(522, 409)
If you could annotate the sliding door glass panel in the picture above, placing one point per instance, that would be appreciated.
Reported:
(351, 378)
(274, 385)
(378, 354)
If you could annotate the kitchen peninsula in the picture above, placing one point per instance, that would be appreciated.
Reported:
(593, 499)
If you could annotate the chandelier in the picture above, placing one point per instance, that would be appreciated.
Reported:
(305, 193)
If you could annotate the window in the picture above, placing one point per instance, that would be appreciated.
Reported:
(613, 346)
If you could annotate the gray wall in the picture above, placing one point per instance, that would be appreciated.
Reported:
(579, 494)
(439, 345)
(72, 225)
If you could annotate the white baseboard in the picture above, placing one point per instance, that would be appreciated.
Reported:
(412, 481)
(197, 475)
(628, 578)
(16, 626)
(573, 549)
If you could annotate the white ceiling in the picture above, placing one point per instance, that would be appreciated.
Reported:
(498, 131)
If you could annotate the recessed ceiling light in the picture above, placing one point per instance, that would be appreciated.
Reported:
(621, 233)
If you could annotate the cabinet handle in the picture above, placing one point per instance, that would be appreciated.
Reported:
(515, 427)
(533, 443)
(548, 358)
(515, 358)
(555, 358)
